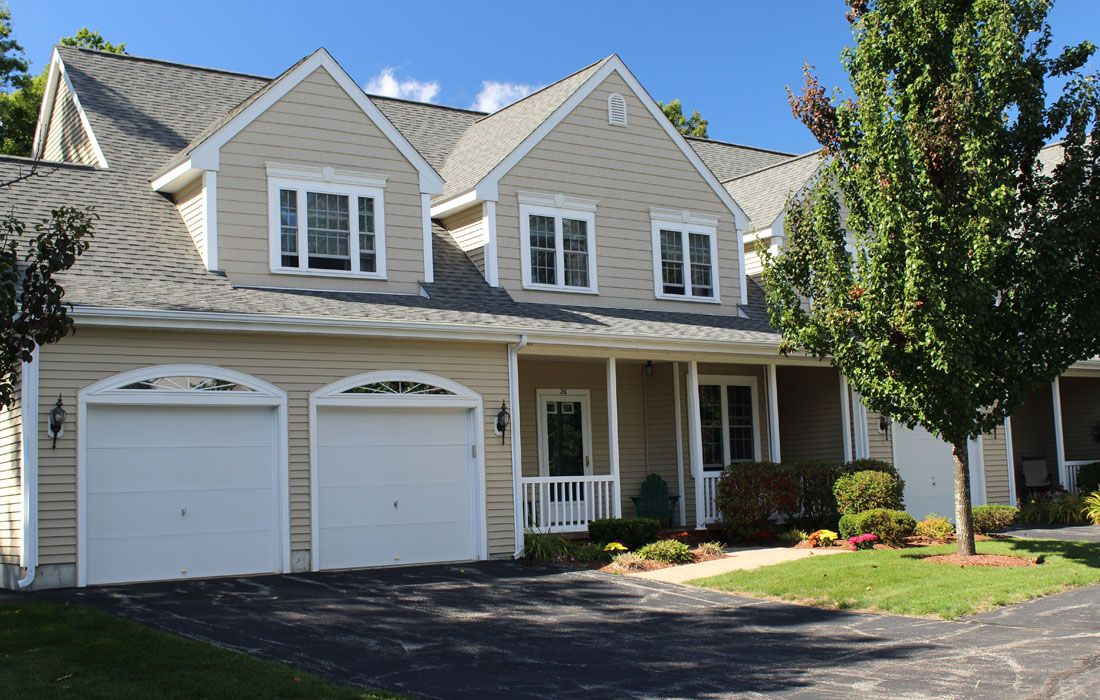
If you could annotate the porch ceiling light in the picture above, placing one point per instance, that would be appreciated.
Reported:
(503, 418)
(57, 421)
(649, 368)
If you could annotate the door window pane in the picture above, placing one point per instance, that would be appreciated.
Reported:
(739, 413)
(565, 438)
(710, 421)
(328, 231)
(543, 261)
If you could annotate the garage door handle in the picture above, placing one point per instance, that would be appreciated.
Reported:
(183, 511)
(395, 504)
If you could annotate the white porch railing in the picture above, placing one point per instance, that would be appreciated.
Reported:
(710, 500)
(566, 503)
(1071, 473)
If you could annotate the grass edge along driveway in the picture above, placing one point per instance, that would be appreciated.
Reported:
(58, 650)
(897, 581)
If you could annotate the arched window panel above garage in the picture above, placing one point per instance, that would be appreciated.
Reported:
(186, 383)
(405, 388)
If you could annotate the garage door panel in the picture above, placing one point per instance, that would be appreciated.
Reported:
(925, 463)
(350, 547)
(158, 469)
(177, 426)
(159, 513)
(178, 556)
(428, 542)
(350, 466)
(435, 502)
(357, 506)
(367, 427)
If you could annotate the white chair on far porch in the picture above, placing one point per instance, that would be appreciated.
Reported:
(1036, 476)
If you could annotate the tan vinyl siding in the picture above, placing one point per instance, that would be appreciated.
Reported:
(66, 139)
(810, 424)
(753, 265)
(628, 170)
(469, 231)
(879, 444)
(660, 410)
(996, 468)
(192, 208)
(315, 124)
(1080, 410)
(297, 364)
(11, 503)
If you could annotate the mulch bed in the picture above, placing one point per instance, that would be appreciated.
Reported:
(983, 560)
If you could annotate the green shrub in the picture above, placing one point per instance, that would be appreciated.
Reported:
(890, 526)
(1068, 508)
(749, 493)
(631, 532)
(992, 517)
(668, 551)
(871, 465)
(543, 546)
(815, 497)
(937, 527)
(590, 552)
(866, 490)
(1092, 507)
(1088, 477)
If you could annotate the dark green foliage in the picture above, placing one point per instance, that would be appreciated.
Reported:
(630, 532)
(1088, 477)
(693, 126)
(870, 465)
(991, 517)
(860, 491)
(544, 546)
(749, 493)
(669, 551)
(1058, 508)
(891, 526)
(815, 498)
(93, 40)
(588, 553)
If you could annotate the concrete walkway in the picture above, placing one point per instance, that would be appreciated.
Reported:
(737, 558)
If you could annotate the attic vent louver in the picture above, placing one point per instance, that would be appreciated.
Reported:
(616, 109)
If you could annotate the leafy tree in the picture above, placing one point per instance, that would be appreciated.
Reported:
(19, 107)
(695, 126)
(975, 274)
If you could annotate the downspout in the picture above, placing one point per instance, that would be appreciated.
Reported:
(517, 467)
(28, 458)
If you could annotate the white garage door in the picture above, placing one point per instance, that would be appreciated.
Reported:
(394, 487)
(926, 464)
(179, 492)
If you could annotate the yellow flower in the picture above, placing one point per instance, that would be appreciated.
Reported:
(614, 547)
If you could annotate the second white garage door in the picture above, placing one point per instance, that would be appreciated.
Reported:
(926, 464)
(394, 487)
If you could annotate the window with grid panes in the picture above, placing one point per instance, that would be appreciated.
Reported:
(558, 246)
(727, 422)
(684, 261)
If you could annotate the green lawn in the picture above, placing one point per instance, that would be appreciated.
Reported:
(56, 650)
(896, 581)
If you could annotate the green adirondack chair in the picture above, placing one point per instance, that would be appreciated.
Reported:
(655, 501)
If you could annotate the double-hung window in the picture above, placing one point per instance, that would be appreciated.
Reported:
(326, 222)
(557, 242)
(685, 255)
(728, 413)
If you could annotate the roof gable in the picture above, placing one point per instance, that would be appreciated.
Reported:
(58, 81)
(764, 193)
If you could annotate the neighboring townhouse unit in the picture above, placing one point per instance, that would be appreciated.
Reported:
(319, 329)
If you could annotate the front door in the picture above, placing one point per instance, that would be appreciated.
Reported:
(565, 446)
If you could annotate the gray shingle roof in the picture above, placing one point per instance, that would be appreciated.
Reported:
(489, 140)
(142, 257)
(763, 194)
(431, 129)
(730, 160)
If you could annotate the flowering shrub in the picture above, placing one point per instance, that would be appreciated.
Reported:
(891, 526)
(614, 547)
(673, 536)
(762, 535)
(751, 492)
(632, 532)
(822, 538)
(669, 551)
(865, 541)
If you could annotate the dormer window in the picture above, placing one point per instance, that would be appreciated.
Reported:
(685, 255)
(327, 222)
(616, 109)
(557, 241)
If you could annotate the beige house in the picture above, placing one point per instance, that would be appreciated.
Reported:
(319, 329)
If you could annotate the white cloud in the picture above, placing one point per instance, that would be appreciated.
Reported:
(495, 95)
(386, 85)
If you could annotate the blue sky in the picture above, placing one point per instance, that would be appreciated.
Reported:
(730, 60)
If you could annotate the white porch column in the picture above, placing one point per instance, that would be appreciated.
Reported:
(517, 466)
(679, 442)
(613, 434)
(773, 414)
(1059, 439)
(859, 418)
(695, 441)
(1012, 498)
(845, 418)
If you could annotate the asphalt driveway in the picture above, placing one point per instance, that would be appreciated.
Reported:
(500, 630)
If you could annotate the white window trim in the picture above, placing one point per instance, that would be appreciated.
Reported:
(585, 398)
(559, 207)
(327, 181)
(725, 381)
(684, 222)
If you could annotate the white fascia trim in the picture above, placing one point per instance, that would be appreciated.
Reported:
(325, 174)
(208, 152)
(210, 211)
(558, 201)
(426, 216)
(177, 178)
(28, 460)
(454, 206)
(492, 270)
(102, 159)
(45, 110)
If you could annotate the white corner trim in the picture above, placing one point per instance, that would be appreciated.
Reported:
(83, 115)
(742, 273)
(1011, 459)
(45, 109)
(492, 271)
(454, 206)
(426, 215)
(558, 201)
(682, 216)
(325, 174)
(210, 211)
(517, 481)
(28, 460)
(207, 152)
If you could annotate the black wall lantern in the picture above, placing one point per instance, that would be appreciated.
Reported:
(649, 368)
(57, 421)
(883, 424)
(503, 418)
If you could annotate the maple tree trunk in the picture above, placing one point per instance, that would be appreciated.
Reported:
(964, 517)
